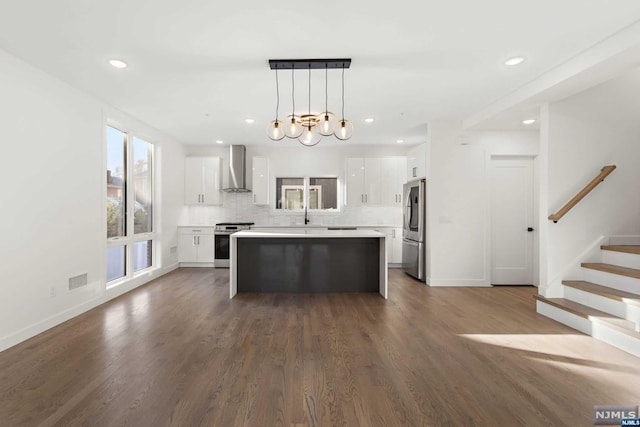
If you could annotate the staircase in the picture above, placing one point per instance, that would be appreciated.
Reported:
(606, 304)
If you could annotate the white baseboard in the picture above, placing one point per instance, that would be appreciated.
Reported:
(468, 283)
(197, 264)
(56, 319)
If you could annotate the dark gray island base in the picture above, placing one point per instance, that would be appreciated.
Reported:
(308, 265)
(308, 262)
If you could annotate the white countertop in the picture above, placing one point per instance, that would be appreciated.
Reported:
(325, 226)
(307, 233)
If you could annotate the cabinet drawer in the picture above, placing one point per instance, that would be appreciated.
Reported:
(195, 230)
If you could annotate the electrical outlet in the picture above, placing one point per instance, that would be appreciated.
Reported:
(52, 292)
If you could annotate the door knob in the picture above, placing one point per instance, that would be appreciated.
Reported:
(530, 229)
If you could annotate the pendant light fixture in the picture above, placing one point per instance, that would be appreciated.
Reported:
(294, 128)
(344, 130)
(276, 130)
(310, 135)
(326, 121)
(310, 128)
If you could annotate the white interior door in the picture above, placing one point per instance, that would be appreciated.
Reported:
(512, 221)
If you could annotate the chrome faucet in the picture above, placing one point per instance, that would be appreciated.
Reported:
(306, 217)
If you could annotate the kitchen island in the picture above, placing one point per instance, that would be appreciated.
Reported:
(308, 261)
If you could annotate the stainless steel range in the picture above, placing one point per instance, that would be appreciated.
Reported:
(221, 237)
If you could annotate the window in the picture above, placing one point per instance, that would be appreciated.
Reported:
(129, 204)
(315, 193)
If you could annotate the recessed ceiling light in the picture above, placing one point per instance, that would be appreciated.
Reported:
(118, 63)
(528, 121)
(249, 120)
(219, 142)
(369, 120)
(514, 61)
(400, 141)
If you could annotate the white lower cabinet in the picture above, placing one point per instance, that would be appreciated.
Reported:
(396, 246)
(196, 245)
(394, 243)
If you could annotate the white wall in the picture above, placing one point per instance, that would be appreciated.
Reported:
(587, 131)
(458, 200)
(52, 220)
(293, 160)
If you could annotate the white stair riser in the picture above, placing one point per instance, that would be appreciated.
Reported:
(616, 281)
(597, 330)
(622, 259)
(616, 339)
(576, 322)
(608, 305)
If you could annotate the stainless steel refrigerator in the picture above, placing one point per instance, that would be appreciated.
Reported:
(414, 229)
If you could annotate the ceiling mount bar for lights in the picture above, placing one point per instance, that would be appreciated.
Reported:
(314, 64)
(310, 128)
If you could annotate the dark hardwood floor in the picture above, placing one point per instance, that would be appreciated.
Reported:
(179, 352)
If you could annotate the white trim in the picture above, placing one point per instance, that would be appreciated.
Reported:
(471, 283)
(110, 293)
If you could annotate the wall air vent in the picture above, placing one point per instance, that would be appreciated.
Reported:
(78, 281)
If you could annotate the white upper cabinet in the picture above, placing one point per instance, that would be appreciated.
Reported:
(355, 181)
(375, 181)
(417, 162)
(393, 173)
(202, 180)
(260, 181)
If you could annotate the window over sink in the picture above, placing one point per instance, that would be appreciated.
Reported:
(316, 193)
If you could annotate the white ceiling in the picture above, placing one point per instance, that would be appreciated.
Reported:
(198, 68)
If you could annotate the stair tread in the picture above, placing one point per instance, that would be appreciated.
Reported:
(615, 269)
(592, 314)
(631, 249)
(605, 291)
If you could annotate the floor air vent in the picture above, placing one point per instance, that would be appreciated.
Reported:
(77, 281)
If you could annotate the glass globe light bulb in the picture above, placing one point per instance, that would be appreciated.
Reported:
(310, 136)
(293, 128)
(327, 123)
(275, 130)
(344, 130)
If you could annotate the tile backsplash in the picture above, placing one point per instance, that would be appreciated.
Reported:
(239, 207)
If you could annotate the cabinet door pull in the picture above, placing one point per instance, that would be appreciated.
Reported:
(362, 198)
(194, 240)
(415, 171)
(254, 198)
(366, 198)
(203, 198)
(393, 233)
(198, 240)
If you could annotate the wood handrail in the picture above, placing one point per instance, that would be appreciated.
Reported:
(604, 172)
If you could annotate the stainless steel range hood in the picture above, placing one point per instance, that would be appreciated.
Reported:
(237, 170)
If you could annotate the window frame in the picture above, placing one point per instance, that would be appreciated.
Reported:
(131, 238)
(307, 187)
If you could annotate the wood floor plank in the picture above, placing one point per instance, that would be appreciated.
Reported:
(178, 352)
